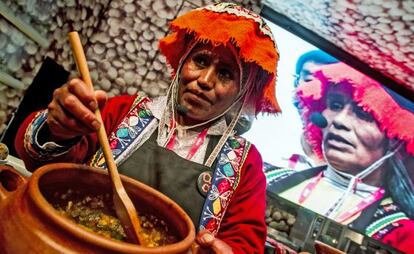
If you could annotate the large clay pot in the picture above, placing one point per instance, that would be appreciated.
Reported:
(30, 224)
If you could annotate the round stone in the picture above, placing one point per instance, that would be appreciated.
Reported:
(4, 151)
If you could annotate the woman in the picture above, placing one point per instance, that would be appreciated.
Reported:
(306, 65)
(364, 135)
(224, 58)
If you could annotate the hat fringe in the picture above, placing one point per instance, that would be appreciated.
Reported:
(220, 28)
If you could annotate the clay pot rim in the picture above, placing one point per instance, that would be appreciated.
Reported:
(71, 228)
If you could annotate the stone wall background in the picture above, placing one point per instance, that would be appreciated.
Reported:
(378, 33)
(120, 38)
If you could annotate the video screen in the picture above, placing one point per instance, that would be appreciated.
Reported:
(339, 157)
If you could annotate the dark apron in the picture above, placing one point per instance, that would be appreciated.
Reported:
(169, 173)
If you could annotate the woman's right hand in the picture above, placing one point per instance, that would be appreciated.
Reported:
(71, 113)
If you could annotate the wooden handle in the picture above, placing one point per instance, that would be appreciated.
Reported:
(83, 69)
(195, 248)
(123, 205)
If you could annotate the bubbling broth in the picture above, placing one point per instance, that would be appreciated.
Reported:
(96, 213)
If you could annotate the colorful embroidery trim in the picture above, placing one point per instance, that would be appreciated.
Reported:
(44, 152)
(378, 225)
(226, 177)
(127, 132)
(278, 174)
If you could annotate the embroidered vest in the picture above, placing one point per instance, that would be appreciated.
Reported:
(139, 123)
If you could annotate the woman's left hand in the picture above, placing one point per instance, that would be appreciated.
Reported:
(210, 244)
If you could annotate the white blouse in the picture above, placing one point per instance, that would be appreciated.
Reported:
(184, 138)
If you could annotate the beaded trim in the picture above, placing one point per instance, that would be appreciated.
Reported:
(239, 11)
(128, 133)
(48, 150)
(380, 224)
(386, 219)
(225, 180)
(275, 175)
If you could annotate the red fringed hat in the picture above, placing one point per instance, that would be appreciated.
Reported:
(396, 121)
(222, 23)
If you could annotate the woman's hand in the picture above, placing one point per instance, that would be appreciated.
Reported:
(209, 244)
(71, 111)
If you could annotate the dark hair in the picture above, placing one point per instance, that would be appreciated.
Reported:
(317, 56)
(400, 186)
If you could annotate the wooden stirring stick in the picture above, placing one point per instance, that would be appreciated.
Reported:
(124, 207)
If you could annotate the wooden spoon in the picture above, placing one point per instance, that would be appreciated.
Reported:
(124, 207)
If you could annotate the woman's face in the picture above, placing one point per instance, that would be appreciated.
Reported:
(352, 140)
(210, 81)
(308, 71)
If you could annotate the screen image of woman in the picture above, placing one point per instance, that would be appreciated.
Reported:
(365, 134)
